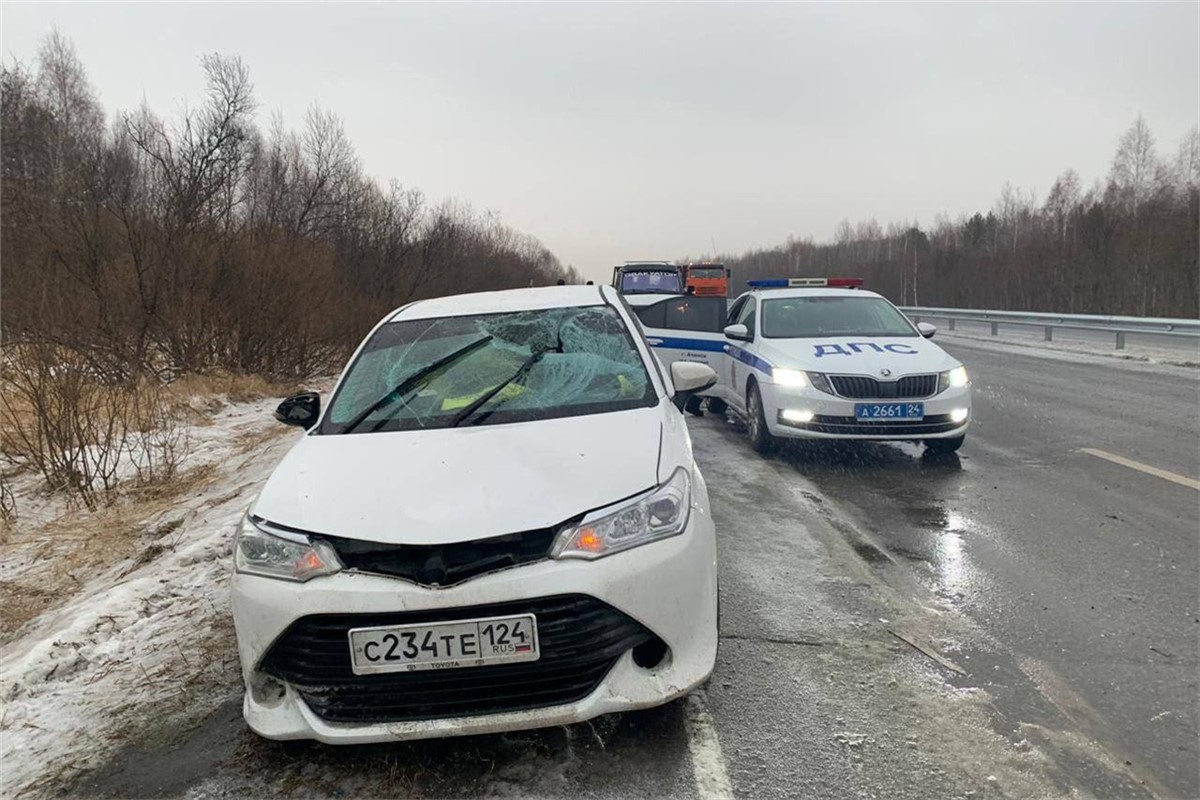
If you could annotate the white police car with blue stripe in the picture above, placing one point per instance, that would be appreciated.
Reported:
(819, 358)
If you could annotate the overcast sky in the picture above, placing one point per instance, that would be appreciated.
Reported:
(620, 131)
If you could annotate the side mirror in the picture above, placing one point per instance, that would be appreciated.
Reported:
(739, 332)
(690, 378)
(300, 409)
(926, 329)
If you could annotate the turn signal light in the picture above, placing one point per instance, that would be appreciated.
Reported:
(588, 540)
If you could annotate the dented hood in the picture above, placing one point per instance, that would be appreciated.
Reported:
(457, 484)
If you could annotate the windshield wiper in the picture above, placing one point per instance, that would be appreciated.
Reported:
(416, 379)
(495, 390)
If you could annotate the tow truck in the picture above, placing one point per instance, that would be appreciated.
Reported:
(645, 282)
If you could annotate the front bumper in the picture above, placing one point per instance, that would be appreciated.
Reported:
(833, 417)
(667, 587)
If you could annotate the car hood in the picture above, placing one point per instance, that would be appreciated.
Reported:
(856, 355)
(458, 484)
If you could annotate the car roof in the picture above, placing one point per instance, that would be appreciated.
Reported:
(804, 291)
(507, 300)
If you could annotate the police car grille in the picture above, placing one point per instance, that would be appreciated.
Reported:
(863, 388)
(580, 639)
(445, 564)
(850, 426)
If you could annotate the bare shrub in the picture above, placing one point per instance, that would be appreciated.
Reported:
(62, 420)
(158, 441)
(8, 502)
(85, 434)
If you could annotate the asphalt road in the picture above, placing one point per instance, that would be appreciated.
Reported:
(1020, 621)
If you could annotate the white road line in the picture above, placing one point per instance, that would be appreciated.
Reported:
(1182, 480)
(708, 765)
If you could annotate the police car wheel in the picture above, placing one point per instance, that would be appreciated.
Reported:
(716, 406)
(944, 446)
(760, 438)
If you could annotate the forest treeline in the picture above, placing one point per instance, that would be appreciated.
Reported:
(208, 241)
(1127, 245)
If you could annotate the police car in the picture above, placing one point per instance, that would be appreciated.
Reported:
(818, 358)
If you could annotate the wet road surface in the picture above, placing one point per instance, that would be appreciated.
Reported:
(1020, 621)
(1084, 571)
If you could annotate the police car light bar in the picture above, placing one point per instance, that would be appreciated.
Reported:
(831, 283)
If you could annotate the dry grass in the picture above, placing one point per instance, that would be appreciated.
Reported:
(67, 551)
(200, 396)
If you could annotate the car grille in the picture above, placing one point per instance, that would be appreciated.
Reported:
(444, 564)
(822, 423)
(863, 388)
(580, 639)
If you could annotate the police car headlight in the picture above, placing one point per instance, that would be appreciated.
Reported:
(658, 514)
(257, 552)
(789, 377)
(953, 379)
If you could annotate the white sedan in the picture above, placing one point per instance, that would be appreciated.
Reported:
(801, 359)
(495, 523)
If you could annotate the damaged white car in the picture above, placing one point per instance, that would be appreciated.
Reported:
(495, 523)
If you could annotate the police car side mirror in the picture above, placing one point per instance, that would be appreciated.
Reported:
(739, 332)
(926, 329)
(689, 378)
(300, 409)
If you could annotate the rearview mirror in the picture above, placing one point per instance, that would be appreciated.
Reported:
(739, 332)
(300, 409)
(690, 378)
(926, 329)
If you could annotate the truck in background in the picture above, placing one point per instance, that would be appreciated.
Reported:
(707, 279)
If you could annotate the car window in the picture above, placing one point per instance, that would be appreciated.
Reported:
(546, 364)
(650, 281)
(746, 315)
(831, 315)
(705, 314)
(652, 316)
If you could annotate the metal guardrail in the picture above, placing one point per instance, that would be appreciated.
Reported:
(1118, 326)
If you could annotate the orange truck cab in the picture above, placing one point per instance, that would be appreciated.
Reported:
(707, 280)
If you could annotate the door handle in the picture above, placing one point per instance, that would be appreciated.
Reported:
(654, 342)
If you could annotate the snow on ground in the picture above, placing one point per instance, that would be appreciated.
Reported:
(146, 639)
(1185, 354)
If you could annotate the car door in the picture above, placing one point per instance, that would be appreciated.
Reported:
(737, 359)
(687, 328)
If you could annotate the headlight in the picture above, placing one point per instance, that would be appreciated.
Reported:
(257, 552)
(658, 514)
(953, 379)
(789, 377)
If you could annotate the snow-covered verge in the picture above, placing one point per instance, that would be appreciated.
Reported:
(142, 639)
(1185, 354)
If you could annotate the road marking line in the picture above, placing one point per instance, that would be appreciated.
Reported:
(1182, 480)
(708, 765)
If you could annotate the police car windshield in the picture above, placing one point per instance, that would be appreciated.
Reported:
(832, 315)
(545, 364)
(650, 281)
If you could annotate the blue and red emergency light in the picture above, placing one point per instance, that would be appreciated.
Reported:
(830, 283)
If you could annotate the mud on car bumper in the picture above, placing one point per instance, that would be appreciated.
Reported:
(630, 631)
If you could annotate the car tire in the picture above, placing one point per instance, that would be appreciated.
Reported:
(756, 422)
(694, 406)
(941, 447)
(716, 405)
